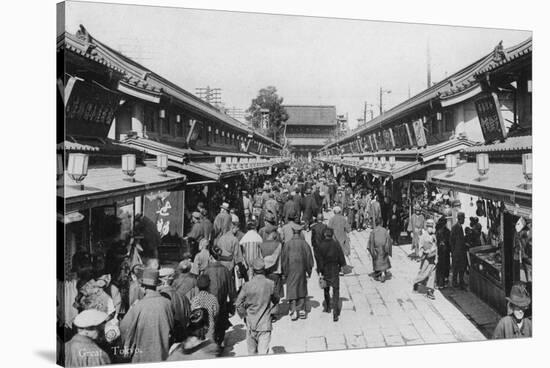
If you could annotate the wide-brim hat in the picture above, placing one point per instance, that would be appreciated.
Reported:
(519, 296)
(258, 264)
(417, 207)
(225, 206)
(196, 215)
(150, 277)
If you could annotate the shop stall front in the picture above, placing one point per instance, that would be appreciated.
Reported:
(499, 194)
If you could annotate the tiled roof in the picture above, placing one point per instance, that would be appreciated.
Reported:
(310, 115)
(155, 148)
(139, 77)
(459, 82)
(307, 141)
(523, 143)
(522, 49)
(502, 180)
(94, 145)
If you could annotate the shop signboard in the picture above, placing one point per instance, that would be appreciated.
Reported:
(165, 210)
(419, 133)
(90, 108)
(380, 143)
(490, 117)
(400, 136)
(387, 139)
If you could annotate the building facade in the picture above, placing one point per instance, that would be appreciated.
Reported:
(309, 128)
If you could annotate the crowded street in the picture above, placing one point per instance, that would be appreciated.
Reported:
(191, 230)
(373, 314)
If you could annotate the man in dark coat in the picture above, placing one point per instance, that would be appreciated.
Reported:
(458, 250)
(297, 264)
(145, 329)
(330, 261)
(270, 251)
(317, 235)
(310, 208)
(223, 288)
(298, 204)
(442, 234)
(181, 305)
(380, 249)
(288, 208)
(269, 227)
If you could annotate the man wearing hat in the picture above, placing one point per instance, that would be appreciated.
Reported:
(146, 328)
(82, 350)
(317, 235)
(341, 228)
(222, 222)
(254, 304)
(416, 224)
(428, 249)
(289, 207)
(297, 264)
(231, 253)
(515, 325)
(457, 243)
(330, 260)
(270, 225)
(287, 230)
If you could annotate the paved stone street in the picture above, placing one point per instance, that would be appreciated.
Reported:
(373, 314)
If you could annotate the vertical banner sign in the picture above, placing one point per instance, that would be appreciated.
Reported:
(379, 141)
(410, 136)
(366, 143)
(165, 210)
(373, 142)
(419, 133)
(400, 136)
(387, 139)
(490, 118)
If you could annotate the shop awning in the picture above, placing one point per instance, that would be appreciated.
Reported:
(226, 154)
(156, 148)
(307, 141)
(103, 185)
(504, 182)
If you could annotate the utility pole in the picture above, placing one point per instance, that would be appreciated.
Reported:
(428, 59)
(382, 91)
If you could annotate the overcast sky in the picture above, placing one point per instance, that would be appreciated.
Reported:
(313, 61)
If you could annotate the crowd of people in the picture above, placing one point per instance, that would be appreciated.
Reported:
(248, 258)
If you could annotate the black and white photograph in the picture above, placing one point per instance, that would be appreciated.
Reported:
(233, 184)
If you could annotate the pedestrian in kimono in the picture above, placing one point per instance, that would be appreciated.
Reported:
(380, 249)
(223, 288)
(270, 226)
(254, 305)
(341, 228)
(207, 226)
(310, 208)
(204, 299)
(250, 247)
(271, 249)
(457, 243)
(271, 205)
(515, 325)
(317, 235)
(297, 264)
(289, 208)
(375, 210)
(428, 260)
(330, 261)
(287, 231)
(222, 222)
(146, 328)
(298, 203)
(442, 234)
(394, 223)
(185, 281)
(181, 306)
(416, 224)
(82, 350)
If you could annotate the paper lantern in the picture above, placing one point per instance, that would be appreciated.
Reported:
(77, 167)
(482, 161)
(129, 165)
